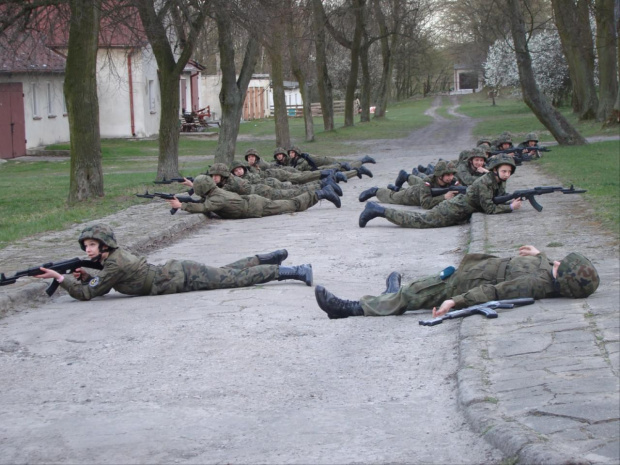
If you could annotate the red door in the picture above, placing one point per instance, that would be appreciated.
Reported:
(12, 125)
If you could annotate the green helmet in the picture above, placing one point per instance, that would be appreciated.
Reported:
(219, 168)
(295, 149)
(577, 276)
(443, 167)
(100, 232)
(483, 141)
(251, 152)
(530, 136)
(504, 138)
(279, 150)
(239, 164)
(477, 152)
(502, 159)
(203, 185)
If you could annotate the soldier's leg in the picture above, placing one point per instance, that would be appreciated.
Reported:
(200, 277)
(402, 197)
(272, 258)
(296, 204)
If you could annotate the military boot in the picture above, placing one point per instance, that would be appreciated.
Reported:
(335, 307)
(368, 159)
(328, 193)
(327, 173)
(272, 258)
(422, 169)
(298, 273)
(340, 176)
(430, 169)
(371, 210)
(392, 283)
(368, 193)
(392, 187)
(329, 181)
(363, 170)
(345, 166)
(401, 179)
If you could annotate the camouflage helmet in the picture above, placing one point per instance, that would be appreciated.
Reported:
(504, 138)
(100, 232)
(502, 159)
(279, 150)
(219, 168)
(203, 185)
(251, 152)
(295, 149)
(483, 141)
(477, 152)
(239, 164)
(577, 276)
(443, 167)
(530, 136)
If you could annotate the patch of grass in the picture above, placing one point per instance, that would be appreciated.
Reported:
(555, 244)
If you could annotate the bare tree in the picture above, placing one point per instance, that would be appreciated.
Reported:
(573, 22)
(551, 118)
(232, 94)
(323, 82)
(607, 58)
(172, 28)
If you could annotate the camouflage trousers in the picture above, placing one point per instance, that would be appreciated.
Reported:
(177, 276)
(410, 196)
(447, 213)
(283, 194)
(424, 293)
(295, 178)
(261, 206)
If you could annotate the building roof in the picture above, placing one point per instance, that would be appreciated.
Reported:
(29, 54)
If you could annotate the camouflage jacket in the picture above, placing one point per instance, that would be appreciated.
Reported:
(227, 205)
(481, 278)
(480, 194)
(466, 175)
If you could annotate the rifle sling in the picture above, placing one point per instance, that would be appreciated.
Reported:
(501, 270)
(148, 281)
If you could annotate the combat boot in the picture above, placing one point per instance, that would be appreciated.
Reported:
(430, 169)
(392, 187)
(340, 176)
(363, 170)
(272, 258)
(345, 166)
(371, 210)
(298, 273)
(327, 173)
(329, 181)
(335, 307)
(368, 193)
(392, 283)
(368, 159)
(415, 172)
(422, 169)
(328, 193)
(401, 179)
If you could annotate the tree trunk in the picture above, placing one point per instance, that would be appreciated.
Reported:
(365, 86)
(559, 127)
(383, 92)
(298, 72)
(80, 90)
(607, 58)
(359, 13)
(323, 82)
(168, 160)
(280, 113)
(573, 23)
(232, 94)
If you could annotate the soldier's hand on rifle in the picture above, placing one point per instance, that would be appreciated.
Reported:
(450, 195)
(528, 250)
(444, 308)
(48, 274)
(81, 275)
(482, 170)
(515, 204)
(174, 203)
(187, 183)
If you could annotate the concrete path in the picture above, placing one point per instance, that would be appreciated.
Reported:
(260, 375)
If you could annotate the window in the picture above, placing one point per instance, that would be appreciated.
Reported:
(152, 96)
(50, 100)
(35, 100)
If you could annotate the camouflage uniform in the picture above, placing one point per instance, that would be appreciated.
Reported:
(321, 162)
(419, 192)
(256, 178)
(481, 278)
(243, 187)
(229, 205)
(465, 171)
(479, 198)
(525, 144)
(132, 275)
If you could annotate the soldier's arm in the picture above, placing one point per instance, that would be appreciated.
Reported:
(524, 286)
(96, 286)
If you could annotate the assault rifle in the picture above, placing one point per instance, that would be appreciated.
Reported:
(520, 150)
(530, 193)
(64, 267)
(437, 191)
(165, 196)
(487, 309)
